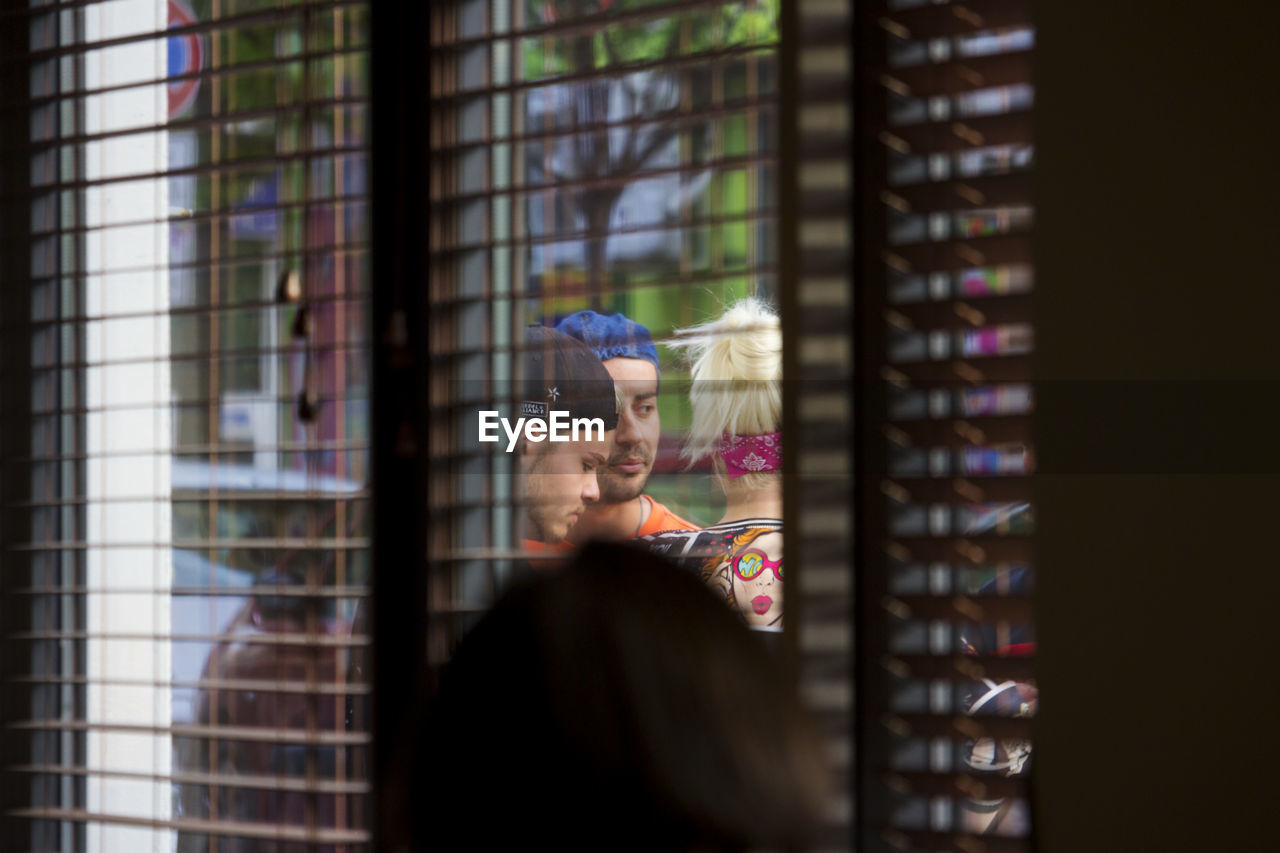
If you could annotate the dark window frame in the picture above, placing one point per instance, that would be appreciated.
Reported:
(399, 435)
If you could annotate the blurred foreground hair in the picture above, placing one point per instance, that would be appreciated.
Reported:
(617, 705)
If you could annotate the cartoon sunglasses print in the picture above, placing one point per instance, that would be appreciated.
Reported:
(751, 562)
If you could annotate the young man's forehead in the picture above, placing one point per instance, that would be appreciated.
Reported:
(583, 446)
(633, 374)
(592, 447)
(586, 443)
(594, 444)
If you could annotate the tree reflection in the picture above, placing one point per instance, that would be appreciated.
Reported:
(612, 87)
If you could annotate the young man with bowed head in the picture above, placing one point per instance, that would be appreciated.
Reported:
(626, 350)
(559, 478)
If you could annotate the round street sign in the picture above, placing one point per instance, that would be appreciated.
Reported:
(186, 56)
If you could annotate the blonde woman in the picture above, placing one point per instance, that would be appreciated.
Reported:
(736, 395)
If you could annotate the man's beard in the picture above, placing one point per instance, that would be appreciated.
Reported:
(620, 488)
(545, 514)
(543, 521)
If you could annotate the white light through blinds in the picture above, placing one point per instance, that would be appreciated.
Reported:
(127, 431)
(189, 481)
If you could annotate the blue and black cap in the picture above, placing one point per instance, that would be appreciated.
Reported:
(561, 373)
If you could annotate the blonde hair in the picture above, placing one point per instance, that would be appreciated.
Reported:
(736, 387)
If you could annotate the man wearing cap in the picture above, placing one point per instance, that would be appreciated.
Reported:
(559, 477)
(626, 350)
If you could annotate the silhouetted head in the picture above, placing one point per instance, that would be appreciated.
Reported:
(617, 705)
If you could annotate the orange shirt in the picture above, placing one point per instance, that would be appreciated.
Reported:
(660, 519)
(562, 550)
(533, 546)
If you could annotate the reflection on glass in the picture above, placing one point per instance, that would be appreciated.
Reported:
(736, 399)
(995, 757)
(953, 167)
(606, 170)
(204, 435)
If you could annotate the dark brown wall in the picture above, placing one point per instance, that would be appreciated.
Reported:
(1159, 501)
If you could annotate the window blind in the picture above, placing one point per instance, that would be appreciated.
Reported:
(947, 688)
(584, 154)
(186, 438)
(818, 255)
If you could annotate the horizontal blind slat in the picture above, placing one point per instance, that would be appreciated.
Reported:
(226, 827)
(318, 785)
(708, 59)
(262, 734)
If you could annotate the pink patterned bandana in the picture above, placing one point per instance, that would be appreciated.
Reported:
(751, 454)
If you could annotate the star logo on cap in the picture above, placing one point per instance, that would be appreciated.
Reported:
(554, 393)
